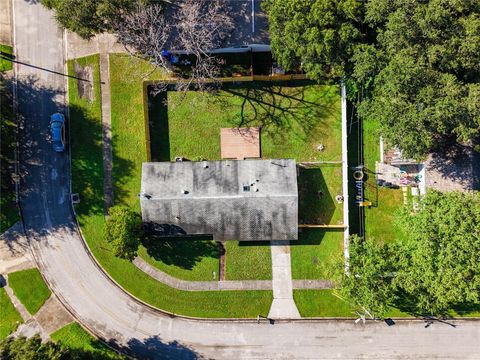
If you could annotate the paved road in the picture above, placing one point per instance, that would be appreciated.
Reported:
(113, 315)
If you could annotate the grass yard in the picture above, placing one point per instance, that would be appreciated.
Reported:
(317, 188)
(9, 316)
(295, 120)
(321, 303)
(183, 259)
(73, 336)
(248, 261)
(129, 153)
(378, 218)
(7, 52)
(29, 287)
(316, 253)
(8, 210)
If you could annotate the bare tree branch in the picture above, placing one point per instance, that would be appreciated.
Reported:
(189, 31)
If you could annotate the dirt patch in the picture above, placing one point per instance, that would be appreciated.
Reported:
(84, 77)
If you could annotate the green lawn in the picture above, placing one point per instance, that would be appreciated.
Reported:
(183, 259)
(9, 213)
(294, 119)
(29, 287)
(316, 253)
(248, 261)
(129, 153)
(73, 336)
(317, 188)
(378, 218)
(321, 303)
(9, 316)
(5, 64)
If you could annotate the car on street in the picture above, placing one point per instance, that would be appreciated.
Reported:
(57, 132)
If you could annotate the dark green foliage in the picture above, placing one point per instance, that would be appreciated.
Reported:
(320, 34)
(439, 260)
(414, 65)
(33, 349)
(123, 229)
(88, 17)
(369, 285)
(432, 270)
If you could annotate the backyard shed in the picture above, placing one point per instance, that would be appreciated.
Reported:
(228, 199)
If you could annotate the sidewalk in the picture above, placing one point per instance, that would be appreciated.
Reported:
(5, 22)
(283, 305)
(225, 284)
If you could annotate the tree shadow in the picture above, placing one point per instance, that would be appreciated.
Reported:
(8, 133)
(274, 105)
(181, 252)
(455, 163)
(153, 348)
(315, 203)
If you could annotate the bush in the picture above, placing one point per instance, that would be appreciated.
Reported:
(124, 231)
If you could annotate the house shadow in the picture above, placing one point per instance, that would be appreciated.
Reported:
(316, 205)
(181, 252)
(158, 126)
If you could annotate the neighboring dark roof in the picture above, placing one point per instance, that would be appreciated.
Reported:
(229, 199)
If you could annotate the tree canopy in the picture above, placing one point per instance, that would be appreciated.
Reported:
(439, 255)
(33, 349)
(431, 269)
(414, 65)
(123, 230)
(369, 283)
(88, 17)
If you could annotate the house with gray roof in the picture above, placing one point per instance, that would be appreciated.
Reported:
(243, 200)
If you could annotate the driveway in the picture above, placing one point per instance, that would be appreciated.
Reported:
(113, 315)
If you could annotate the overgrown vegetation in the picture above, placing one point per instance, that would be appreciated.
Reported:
(412, 65)
(432, 270)
(29, 287)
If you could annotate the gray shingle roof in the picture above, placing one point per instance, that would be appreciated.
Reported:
(229, 199)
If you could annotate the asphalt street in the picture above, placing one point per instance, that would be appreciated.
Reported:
(113, 315)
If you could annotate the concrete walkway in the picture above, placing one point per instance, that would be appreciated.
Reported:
(48, 319)
(222, 285)
(283, 305)
(5, 22)
(107, 132)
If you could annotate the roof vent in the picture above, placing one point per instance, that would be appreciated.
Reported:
(185, 192)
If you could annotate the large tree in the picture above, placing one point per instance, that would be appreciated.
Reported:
(88, 17)
(123, 230)
(440, 253)
(368, 285)
(415, 64)
(190, 29)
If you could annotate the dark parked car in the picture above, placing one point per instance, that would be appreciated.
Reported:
(57, 131)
